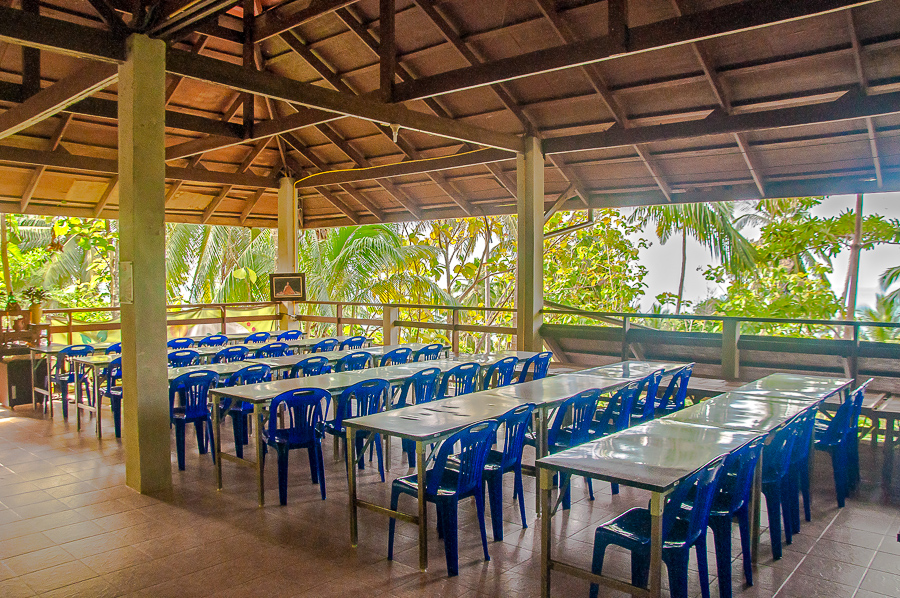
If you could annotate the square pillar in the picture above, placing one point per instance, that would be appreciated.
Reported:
(142, 265)
(530, 258)
(288, 230)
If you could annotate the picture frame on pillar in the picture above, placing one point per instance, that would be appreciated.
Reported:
(287, 286)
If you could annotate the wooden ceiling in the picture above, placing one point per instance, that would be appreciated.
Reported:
(637, 102)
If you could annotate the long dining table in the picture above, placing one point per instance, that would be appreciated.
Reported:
(658, 455)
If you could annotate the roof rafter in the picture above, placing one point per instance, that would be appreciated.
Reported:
(39, 171)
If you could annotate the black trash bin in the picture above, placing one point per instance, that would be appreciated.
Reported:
(15, 375)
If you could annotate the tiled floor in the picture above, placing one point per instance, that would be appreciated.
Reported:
(70, 527)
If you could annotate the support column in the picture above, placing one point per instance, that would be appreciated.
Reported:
(530, 262)
(142, 265)
(288, 230)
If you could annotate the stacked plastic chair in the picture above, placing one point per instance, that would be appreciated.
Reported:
(840, 438)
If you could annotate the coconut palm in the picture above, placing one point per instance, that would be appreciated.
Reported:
(886, 309)
(711, 224)
(888, 279)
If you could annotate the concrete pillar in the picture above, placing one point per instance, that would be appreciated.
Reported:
(142, 265)
(530, 263)
(288, 230)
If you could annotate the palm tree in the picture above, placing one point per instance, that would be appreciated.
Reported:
(711, 224)
(888, 279)
(886, 309)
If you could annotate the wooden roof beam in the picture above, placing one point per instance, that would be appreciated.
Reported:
(716, 22)
(851, 105)
(289, 90)
(876, 157)
(250, 204)
(654, 170)
(45, 33)
(109, 15)
(185, 20)
(36, 175)
(274, 21)
(57, 97)
(107, 193)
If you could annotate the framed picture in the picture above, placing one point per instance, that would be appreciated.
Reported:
(287, 286)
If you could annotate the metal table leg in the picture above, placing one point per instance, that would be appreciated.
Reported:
(545, 480)
(656, 511)
(423, 523)
(98, 399)
(77, 398)
(260, 478)
(755, 506)
(542, 451)
(351, 481)
(217, 442)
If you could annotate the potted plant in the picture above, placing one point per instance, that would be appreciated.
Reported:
(36, 295)
(12, 304)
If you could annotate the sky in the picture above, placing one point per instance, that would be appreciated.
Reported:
(664, 261)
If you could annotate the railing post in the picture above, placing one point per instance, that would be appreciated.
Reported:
(223, 323)
(390, 333)
(731, 334)
(626, 326)
(339, 320)
(854, 355)
(454, 333)
(69, 322)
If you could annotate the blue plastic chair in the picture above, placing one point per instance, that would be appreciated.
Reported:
(504, 370)
(302, 415)
(798, 476)
(363, 398)
(183, 358)
(537, 365)
(423, 385)
(515, 423)
(114, 349)
(353, 362)
(289, 335)
(838, 437)
(616, 416)
(445, 487)
(853, 435)
(231, 354)
(273, 350)
(65, 373)
(311, 366)
(325, 345)
(114, 393)
(462, 379)
(354, 342)
(257, 337)
(429, 352)
(240, 414)
(396, 357)
(180, 343)
(731, 501)
(213, 340)
(645, 410)
(193, 390)
(676, 392)
(776, 468)
(631, 531)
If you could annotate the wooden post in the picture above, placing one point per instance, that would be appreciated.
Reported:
(387, 49)
(390, 333)
(626, 326)
(142, 266)
(530, 270)
(454, 333)
(288, 231)
(731, 359)
(339, 322)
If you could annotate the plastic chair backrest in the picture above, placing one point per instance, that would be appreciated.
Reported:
(474, 443)
(464, 377)
(676, 391)
(583, 406)
(183, 358)
(114, 349)
(738, 471)
(515, 422)
(180, 343)
(324, 345)
(537, 365)
(62, 358)
(370, 398)
(396, 357)
(353, 362)
(423, 385)
(806, 426)
(617, 414)
(505, 369)
(113, 373)
(777, 453)
(214, 340)
(252, 374)
(231, 354)
(429, 352)
(302, 409)
(706, 482)
(311, 366)
(257, 337)
(193, 387)
(354, 342)
(273, 350)
(857, 397)
(289, 335)
(650, 383)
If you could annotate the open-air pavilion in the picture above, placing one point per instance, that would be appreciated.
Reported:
(312, 114)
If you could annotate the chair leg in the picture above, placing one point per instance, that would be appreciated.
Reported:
(597, 563)
(703, 565)
(721, 527)
(479, 505)
(392, 524)
(841, 473)
(615, 488)
(677, 566)
(179, 442)
(566, 488)
(743, 517)
(64, 395)
(786, 510)
(379, 452)
(773, 508)
(495, 498)
(521, 494)
(320, 469)
(804, 490)
(590, 486)
(115, 404)
(237, 423)
(313, 463)
(282, 472)
(451, 531)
